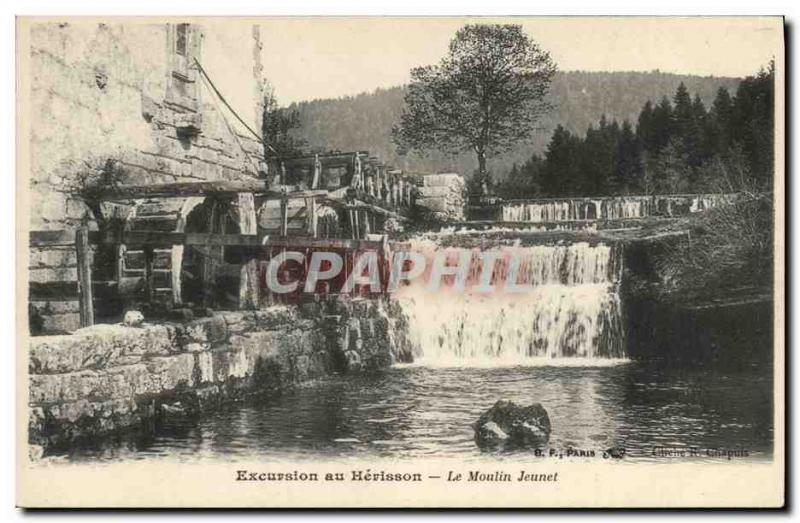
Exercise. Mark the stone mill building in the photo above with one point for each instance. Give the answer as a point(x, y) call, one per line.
point(129, 102)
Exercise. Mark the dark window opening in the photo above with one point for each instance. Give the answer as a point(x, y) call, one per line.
point(181, 38)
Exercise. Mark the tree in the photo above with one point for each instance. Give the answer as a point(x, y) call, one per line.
point(484, 96)
point(276, 126)
point(627, 175)
point(701, 130)
point(682, 113)
point(663, 126)
point(596, 158)
point(561, 174)
point(689, 121)
point(645, 130)
point(720, 121)
point(671, 168)
point(655, 126)
point(523, 181)
point(752, 122)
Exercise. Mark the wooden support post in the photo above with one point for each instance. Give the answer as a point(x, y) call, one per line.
point(358, 181)
point(284, 214)
point(84, 257)
point(176, 266)
point(248, 285)
point(317, 172)
point(379, 182)
point(353, 226)
point(247, 213)
point(311, 217)
point(148, 272)
point(120, 249)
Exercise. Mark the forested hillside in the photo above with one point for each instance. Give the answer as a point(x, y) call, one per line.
point(579, 99)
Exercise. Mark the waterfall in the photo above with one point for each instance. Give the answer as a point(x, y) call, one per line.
point(571, 313)
point(705, 202)
point(625, 208)
point(614, 208)
point(558, 211)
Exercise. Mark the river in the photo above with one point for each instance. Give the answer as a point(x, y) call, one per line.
point(415, 411)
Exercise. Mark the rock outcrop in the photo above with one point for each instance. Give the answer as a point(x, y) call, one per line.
point(443, 196)
point(508, 425)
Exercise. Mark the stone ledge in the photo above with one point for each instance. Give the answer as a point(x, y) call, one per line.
point(109, 377)
point(98, 347)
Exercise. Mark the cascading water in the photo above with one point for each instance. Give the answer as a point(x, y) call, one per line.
point(706, 202)
point(619, 207)
point(625, 208)
point(570, 313)
point(539, 212)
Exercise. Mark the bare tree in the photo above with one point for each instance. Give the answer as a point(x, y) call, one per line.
point(484, 95)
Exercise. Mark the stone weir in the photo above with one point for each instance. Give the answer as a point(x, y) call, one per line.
point(106, 378)
point(602, 208)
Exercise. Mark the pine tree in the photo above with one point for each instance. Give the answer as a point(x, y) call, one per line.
point(561, 174)
point(628, 170)
point(682, 114)
point(663, 127)
point(644, 128)
point(532, 173)
point(697, 139)
point(720, 122)
point(752, 123)
point(671, 169)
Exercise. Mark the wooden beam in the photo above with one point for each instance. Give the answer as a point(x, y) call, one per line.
point(184, 189)
point(327, 160)
point(352, 222)
point(311, 217)
point(247, 213)
point(360, 206)
point(357, 230)
point(84, 256)
point(168, 239)
point(176, 270)
point(249, 285)
point(317, 172)
point(284, 216)
point(367, 228)
point(149, 282)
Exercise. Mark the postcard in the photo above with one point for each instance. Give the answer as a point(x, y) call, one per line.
point(401, 262)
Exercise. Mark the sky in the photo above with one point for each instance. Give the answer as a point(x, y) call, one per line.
point(310, 58)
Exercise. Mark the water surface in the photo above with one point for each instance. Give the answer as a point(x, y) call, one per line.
point(417, 411)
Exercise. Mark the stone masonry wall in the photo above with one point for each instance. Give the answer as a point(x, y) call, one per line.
point(443, 196)
point(106, 378)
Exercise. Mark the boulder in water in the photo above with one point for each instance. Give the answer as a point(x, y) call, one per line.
point(507, 424)
point(133, 319)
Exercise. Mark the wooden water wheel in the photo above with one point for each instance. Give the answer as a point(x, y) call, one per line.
point(179, 276)
point(147, 273)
